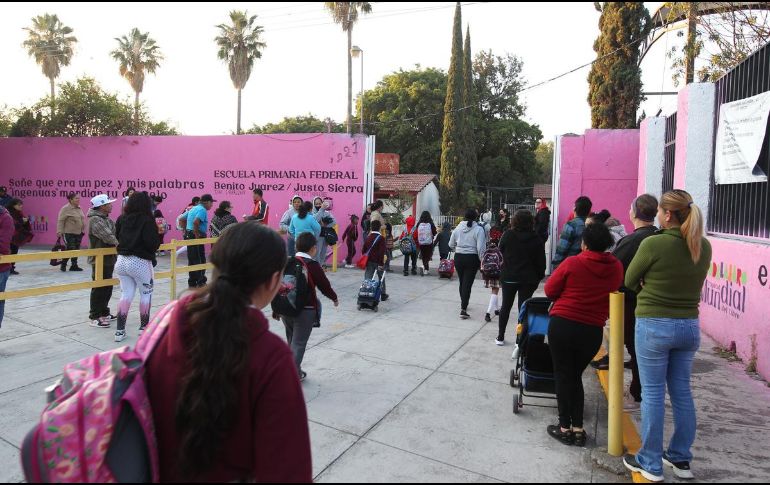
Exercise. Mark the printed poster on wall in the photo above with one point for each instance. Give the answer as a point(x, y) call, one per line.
point(740, 135)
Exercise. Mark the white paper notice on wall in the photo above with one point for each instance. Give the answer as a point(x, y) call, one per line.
point(741, 132)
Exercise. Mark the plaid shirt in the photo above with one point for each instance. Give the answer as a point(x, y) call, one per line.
point(101, 233)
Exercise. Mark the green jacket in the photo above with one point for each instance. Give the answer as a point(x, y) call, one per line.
point(669, 284)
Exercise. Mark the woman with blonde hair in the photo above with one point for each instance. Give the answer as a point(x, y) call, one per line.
point(668, 273)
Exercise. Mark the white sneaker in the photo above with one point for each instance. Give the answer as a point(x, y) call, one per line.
point(681, 470)
point(499, 343)
point(120, 335)
point(349, 266)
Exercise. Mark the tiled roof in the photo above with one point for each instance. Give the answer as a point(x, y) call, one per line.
point(542, 191)
point(404, 182)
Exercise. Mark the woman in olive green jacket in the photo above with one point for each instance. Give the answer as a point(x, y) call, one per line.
point(71, 227)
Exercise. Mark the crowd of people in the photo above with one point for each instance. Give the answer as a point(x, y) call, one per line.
point(220, 358)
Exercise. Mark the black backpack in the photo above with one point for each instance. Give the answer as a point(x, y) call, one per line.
point(293, 296)
point(330, 235)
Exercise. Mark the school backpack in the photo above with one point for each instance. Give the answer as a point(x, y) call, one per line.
point(330, 235)
point(492, 263)
point(425, 234)
point(407, 245)
point(98, 426)
point(162, 226)
point(293, 296)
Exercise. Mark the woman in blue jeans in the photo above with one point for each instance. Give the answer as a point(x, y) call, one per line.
point(668, 273)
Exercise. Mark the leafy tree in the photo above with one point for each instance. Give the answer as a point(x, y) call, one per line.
point(346, 14)
point(544, 157)
point(137, 54)
point(470, 104)
point(51, 44)
point(298, 124)
point(27, 124)
point(6, 122)
point(615, 80)
point(454, 135)
point(240, 45)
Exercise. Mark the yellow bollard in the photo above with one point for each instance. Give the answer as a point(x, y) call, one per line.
point(335, 248)
point(173, 269)
point(615, 394)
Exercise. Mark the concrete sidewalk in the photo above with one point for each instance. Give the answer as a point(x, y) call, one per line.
point(411, 393)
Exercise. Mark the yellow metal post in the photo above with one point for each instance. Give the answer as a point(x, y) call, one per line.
point(173, 269)
point(99, 268)
point(615, 395)
point(335, 250)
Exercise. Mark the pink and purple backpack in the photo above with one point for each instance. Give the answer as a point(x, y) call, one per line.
point(98, 425)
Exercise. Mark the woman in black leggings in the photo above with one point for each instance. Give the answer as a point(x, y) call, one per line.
point(523, 267)
point(469, 242)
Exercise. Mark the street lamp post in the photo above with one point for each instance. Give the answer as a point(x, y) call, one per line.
point(355, 51)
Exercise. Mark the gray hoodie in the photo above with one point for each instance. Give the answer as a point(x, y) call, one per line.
point(468, 240)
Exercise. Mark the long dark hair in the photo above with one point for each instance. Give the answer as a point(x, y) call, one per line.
point(470, 216)
point(222, 210)
point(245, 258)
point(306, 209)
point(11, 206)
point(138, 203)
point(426, 218)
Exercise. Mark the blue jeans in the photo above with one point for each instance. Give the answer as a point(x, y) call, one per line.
point(665, 349)
point(3, 280)
point(291, 246)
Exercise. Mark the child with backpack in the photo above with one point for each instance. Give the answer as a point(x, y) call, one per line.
point(376, 247)
point(426, 232)
point(442, 240)
point(408, 245)
point(304, 275)
point(491, 268)
point(350, 237)
point(390, 243)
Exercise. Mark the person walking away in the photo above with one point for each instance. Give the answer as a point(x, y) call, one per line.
point(523, 266)
point(304, 222)
point(299, 328)
point(223, 218)
point(138, 242)
point(410, 232)
point(5, 199)
point(325, 220)
point(468, 241)
point(668, 273)
point(101, 234)
point(197, 228)
point(442, 240)
point(571, 235)
point(377, 249)
point(296, 203)
point(426, 233)
point(350, 237)
point(491, 270)
point(580, 289)
point(261, 209)
point(642, 214)
point(390, 244)
point(127, 194)
point(160, 221)
point(71, 226)
point(542, 220)
point(22, 234)
point(6, 234)
point(226, 400)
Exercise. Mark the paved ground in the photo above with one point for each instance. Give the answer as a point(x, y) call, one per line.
point(411, 393)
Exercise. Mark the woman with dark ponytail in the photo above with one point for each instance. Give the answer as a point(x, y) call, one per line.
point(224, 390)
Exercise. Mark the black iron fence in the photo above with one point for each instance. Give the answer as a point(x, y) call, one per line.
point(742, 209)
point(669, 154)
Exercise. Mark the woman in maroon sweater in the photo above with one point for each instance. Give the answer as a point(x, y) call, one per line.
point(580, 288)
point(226, 400)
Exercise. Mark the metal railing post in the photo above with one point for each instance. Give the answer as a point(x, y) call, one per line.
point(615, 393)
point(173, 269)
point(99, 267)
point(335, 249)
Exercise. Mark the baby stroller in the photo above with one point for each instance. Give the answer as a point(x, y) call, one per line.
point(533, 372)
point(370, 293)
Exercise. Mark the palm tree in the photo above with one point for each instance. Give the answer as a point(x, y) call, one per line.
point(239, 45)
point(50, 43)
point(346, 14)
point(137, 54)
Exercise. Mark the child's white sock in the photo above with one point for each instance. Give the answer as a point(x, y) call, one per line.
point(492, 304)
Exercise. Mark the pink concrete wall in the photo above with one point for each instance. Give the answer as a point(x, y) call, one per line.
point(734, 304)
point(603, 165)
point(680, 163)
point(42, 170)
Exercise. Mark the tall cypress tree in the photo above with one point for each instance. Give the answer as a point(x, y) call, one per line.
point(470, 160)
point(453, 141)
point(615, 80)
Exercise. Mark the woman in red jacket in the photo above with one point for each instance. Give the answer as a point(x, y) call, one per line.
point(22, 229)
point(224, 390)
point(580, 288)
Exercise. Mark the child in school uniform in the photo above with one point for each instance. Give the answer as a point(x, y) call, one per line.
point(390, 243)
point(492, 260)
point(350, 237)
point(376, 247)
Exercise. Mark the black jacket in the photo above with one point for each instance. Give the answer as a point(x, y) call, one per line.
point(442, 241)
point(137, 236)
point(629, 245)
point(543, 223)
point(523, 257)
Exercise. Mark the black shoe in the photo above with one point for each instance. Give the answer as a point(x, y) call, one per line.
point(487, 318)
point(406, 273)
point(464, 315)
point(630, 462)
point(497, 313)
point(63, 268)
point(14, 272)
point(627, 365)
point(601, 364)
point(580, 438)
point(76, 268)
point(385, 297)
point(414, 271)
point(566, 438)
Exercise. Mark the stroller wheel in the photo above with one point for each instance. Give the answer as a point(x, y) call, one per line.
point(513, 378)
point(359, 307)
point(516, 403)
point(374, 308)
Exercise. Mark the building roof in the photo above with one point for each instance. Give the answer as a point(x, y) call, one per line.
point(542, 191)
point(412, 183)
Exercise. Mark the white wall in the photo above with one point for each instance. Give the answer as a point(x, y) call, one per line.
point(429, 200)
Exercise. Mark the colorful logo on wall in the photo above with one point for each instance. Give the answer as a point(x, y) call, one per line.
point(729, 272)
point(39, 223)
